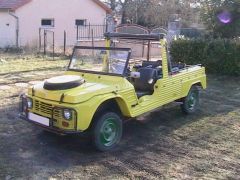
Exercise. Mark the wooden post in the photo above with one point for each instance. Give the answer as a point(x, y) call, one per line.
point(44, 42)
point(77, 32)
point(92, 43)
point(106, 28)
point(89, 31)
point(92, 38)
point(40, 39)
point(53, 45)
point(148, 52)
point(64, 43)
point(143, 49)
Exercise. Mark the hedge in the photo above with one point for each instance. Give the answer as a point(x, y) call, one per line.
point(219, 56)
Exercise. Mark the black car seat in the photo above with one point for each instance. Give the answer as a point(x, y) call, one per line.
point(152, 64)
point(145, 84)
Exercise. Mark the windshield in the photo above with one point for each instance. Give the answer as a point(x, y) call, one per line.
point(100, 60)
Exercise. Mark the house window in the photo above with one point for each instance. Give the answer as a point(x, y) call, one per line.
point(47, 22)
point(81, 22)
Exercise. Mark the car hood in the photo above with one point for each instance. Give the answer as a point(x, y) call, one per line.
point(75, 95)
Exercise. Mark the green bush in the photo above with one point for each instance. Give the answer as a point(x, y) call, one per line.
point(219, 56)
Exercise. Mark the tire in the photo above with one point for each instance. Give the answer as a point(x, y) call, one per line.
point(191, 102)
point(107, 131)
point(63, 82)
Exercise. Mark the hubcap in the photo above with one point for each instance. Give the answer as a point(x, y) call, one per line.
point(192, 101)
point(109, 132)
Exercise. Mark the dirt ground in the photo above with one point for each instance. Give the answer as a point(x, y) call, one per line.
point(169, 145)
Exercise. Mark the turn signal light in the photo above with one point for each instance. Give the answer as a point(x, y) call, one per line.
point(65, 124)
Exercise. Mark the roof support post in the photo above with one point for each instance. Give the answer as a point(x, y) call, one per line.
point(164, 58)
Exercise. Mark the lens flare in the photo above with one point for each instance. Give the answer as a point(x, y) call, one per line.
point(225, 17)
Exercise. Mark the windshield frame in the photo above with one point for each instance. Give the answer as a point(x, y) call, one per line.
point(124, 74)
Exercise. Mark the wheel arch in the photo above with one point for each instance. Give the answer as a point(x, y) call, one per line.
point(112, 104)
point(115, 104)
point(198, 84)
point(188, 86)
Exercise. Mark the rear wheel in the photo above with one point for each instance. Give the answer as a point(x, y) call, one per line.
point(107, 131)
point(191, 102)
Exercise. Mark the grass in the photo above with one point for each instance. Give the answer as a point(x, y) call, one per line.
point(26, 68)
point(30, 64)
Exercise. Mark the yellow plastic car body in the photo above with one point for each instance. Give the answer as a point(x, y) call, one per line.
point(84, 102)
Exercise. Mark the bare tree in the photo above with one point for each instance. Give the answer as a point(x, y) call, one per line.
point(112, 4)
point(156, 12)
point(119, 6)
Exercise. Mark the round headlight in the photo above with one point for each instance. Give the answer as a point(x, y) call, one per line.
point(29, 103)
point(67, 114)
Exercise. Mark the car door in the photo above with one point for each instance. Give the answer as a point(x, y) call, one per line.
point(168, 89)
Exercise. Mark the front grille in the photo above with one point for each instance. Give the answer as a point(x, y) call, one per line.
point(43, 108)
point(57, 114)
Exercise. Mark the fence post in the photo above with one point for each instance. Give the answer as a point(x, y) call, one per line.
point(89, 31)
point(148, 53)
point(53, 45)
point(44, 42)
point(92, 43)
point(143, 49)
point(92, 39)
point(106, 26)
point(40, 38)
point(64, 44)
point(77, 32)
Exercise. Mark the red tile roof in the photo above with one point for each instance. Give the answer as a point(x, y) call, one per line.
point(12, 4)
point(15, 4)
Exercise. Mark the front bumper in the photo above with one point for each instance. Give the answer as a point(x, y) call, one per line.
point(51, 128)
point(53, 125)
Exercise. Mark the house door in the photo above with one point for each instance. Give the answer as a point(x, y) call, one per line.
point(7, 30)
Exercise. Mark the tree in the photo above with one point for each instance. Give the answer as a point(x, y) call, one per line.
point(119, 6)
point(153, 13)
point(112, 4)
point(222, 17)
point(157, 12)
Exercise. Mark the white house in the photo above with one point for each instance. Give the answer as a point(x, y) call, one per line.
point(20, 20)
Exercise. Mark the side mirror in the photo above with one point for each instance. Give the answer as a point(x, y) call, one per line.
point(135, 75)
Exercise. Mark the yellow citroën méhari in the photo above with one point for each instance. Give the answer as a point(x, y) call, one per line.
point(103, 87)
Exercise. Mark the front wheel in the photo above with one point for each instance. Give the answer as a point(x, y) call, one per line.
point(191, 102)
point(107, 131)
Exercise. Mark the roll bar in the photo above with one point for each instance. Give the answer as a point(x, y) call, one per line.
point(148, 37)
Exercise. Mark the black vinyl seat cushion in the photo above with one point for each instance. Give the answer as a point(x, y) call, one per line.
point(145, 84)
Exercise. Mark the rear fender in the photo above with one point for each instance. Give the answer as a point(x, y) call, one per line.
point(186, 87)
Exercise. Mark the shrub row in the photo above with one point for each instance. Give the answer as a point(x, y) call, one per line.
point(219, 56)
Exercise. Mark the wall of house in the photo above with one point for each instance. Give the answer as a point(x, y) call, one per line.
point(64, 14)
point(7, 30)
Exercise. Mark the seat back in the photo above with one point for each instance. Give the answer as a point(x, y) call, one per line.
point(148, 77)
point(151, 64)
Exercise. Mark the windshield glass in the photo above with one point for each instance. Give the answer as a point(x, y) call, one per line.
point(100, 60)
